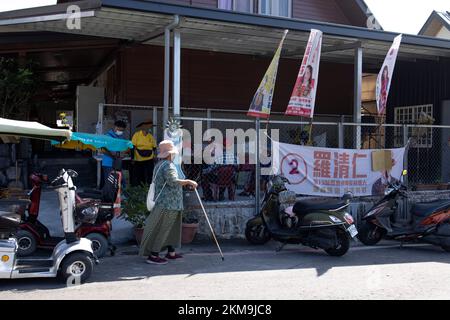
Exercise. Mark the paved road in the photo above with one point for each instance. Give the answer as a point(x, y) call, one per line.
point(383, 272)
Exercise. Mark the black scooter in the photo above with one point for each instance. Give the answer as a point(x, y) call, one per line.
point(430, 221)
point(323, 224)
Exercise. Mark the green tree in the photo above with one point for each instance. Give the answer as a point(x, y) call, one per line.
point(18, 84)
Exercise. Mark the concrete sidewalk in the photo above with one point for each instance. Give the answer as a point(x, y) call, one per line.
point(257, 272)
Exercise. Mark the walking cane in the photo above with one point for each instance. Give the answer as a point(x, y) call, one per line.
point(209, 223)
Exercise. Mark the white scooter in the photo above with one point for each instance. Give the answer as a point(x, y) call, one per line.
point(72, 259)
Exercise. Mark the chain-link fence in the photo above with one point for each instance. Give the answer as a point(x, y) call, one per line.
point(232, 175)
point(427, 158)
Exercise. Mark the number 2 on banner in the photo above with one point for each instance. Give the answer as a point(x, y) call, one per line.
point(294, 164)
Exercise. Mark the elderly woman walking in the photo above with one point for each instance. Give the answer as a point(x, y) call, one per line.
point(163, 225)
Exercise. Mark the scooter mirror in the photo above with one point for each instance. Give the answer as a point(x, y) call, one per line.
point(72, 173)
point(347, 196)
point(284, 179)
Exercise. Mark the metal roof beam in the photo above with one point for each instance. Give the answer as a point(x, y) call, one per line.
point(342, 47)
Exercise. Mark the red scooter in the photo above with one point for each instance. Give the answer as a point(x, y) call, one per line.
point(430, 220)
point(93, 217)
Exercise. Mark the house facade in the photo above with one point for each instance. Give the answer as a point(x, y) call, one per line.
point(135, 76)
point(225, 48)
point(346, 12)
point(437, 25)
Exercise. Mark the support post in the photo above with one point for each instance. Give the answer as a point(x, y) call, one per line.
point(167, 30)
point(257, 169)
point(405, 158)
point(406, 213)
point(357, 89)
point(341, 135)
point(166, 75)
point(99, 128)
point(155, 121)
point(176, 72)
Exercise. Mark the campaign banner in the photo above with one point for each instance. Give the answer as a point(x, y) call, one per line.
point(262, 100)
point(303, 96)
point(333, 172)
point(385, 75)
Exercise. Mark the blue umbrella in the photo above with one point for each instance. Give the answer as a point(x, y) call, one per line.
point(100, 141)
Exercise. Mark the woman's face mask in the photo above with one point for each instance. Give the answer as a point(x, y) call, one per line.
point(119, 133)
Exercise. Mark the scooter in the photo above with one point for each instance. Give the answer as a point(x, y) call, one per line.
point(430, 220)
point(33, 234)
point(72, 258)
point(323, 224)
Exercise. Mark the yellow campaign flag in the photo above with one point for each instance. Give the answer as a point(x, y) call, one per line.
point(262, 100)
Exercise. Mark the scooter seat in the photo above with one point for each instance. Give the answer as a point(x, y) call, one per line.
point(9, 221)
point(306, 206)
point(91, 194)
point(425, 209)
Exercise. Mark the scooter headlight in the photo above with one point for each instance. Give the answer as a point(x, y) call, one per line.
point(335, 219)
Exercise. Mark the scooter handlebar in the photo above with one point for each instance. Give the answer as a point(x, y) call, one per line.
point(57, 182)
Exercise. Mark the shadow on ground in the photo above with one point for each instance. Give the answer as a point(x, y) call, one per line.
point(203, 258)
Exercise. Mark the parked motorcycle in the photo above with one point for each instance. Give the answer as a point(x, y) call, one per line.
point(430, 220)
point(323, 224)
point(72, 258)
point(93, 216)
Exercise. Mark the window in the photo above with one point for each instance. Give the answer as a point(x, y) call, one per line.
point(236, 5)
point(280, 8)
point(423, 137)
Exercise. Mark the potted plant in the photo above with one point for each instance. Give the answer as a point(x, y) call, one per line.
point(189, 227)
point(135, 210)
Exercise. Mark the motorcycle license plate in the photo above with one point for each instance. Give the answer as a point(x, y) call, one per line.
point(352, 230)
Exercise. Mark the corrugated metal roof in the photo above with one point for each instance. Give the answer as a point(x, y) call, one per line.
point(217, 30)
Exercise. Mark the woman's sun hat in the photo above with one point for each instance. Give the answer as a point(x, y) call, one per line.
point(145, 124)
point(166, 148)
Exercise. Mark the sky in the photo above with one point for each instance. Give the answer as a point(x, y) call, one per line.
point(403, 16)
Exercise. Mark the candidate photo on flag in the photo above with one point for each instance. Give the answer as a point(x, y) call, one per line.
point(385, 75)
point(262, 100)
point(303, 95)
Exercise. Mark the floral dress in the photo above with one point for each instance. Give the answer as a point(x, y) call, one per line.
point(163, 225)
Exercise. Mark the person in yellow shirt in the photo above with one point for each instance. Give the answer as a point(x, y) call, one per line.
point(143, 154)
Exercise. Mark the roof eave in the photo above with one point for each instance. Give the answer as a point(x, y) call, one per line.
point(273, 22)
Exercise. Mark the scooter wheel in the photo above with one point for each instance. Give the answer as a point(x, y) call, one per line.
point(76, 267)
point(99, 244)
point(26, 243)
point(257, 234)
point(370, 234)
point(342, 246)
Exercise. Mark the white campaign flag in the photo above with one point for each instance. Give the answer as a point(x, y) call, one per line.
point(303, 95)
point(385, 75)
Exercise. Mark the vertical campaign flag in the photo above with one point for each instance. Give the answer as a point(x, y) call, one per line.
point(262, 100)
point(385, 75)
point(304, 94)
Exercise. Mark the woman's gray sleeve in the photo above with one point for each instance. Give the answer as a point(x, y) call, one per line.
point(171, 175)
